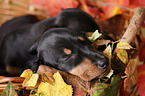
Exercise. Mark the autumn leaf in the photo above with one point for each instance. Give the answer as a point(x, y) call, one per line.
point(30, 78)
point(27, 73)
point(94, 36)
point(123, 45)
point(102, 42)
point(123, 56)
point(141, 79)
point(131, 67)
point(32, 81)
point(102, 89)
point(58, 88)
point(54, 7)
point(142, 51)
point(9, 90)
point(137, 3)
point(48, 77)
point(111, 9)
point(108, 53)
point(131, 72)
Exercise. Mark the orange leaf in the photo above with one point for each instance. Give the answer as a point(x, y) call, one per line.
point(112, 9)
point(131, 67)
point(131, 71)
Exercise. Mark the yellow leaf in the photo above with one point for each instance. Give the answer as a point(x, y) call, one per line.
point(123, 56)
point(59, 87)
point(30, 78)
point(123, 45)
point(108, 53)
point(27, 73)
point(32, 81)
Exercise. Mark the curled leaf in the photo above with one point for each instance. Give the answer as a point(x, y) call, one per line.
point(102, 42)
point(123, 55)
point(108, 53)
point(131, 71)
point(131, 67)
point(94, 36)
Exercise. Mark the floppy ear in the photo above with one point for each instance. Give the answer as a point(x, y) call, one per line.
point(44, 25)
point(33, 49)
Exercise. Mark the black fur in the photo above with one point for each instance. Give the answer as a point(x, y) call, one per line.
point(26, 42)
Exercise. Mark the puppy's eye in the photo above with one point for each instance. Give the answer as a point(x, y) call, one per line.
point(67, 51)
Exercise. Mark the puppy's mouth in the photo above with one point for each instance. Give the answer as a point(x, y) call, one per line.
point(88, 71)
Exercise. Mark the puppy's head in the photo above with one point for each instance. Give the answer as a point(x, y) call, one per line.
point(65, 50)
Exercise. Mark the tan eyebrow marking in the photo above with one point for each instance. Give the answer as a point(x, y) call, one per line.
point(81, 38)
point(67, 51)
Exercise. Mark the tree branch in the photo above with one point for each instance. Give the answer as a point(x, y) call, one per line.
point(134, 25)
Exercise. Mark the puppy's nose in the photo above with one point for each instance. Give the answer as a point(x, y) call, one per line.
point(103, 63)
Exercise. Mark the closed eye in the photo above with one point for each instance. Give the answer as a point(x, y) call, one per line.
point(63, 60)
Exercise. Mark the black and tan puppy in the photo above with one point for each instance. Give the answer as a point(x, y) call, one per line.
point(59, 42)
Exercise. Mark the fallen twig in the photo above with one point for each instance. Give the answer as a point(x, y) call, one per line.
point(134, 25)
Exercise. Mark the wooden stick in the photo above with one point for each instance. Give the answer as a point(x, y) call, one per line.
point(134, 25)
point(14, 84)
point(14, 79)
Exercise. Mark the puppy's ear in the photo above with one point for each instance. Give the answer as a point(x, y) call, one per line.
point(33, 49)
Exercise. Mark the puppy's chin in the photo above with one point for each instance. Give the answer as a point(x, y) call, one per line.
point(88, 71)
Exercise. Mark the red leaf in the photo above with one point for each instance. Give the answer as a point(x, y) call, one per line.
point(54, 7)
point(142, 52)
point(137, 3)
point(141, 79)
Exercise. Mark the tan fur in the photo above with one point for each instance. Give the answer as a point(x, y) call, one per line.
point(12, 70)
point(88, 71)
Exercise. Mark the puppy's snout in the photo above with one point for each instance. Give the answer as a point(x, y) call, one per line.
point(103, 63)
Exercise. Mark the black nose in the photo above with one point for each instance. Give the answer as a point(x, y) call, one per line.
point(103, 63)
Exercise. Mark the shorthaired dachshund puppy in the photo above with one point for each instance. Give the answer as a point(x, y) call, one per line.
point(59, 42)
